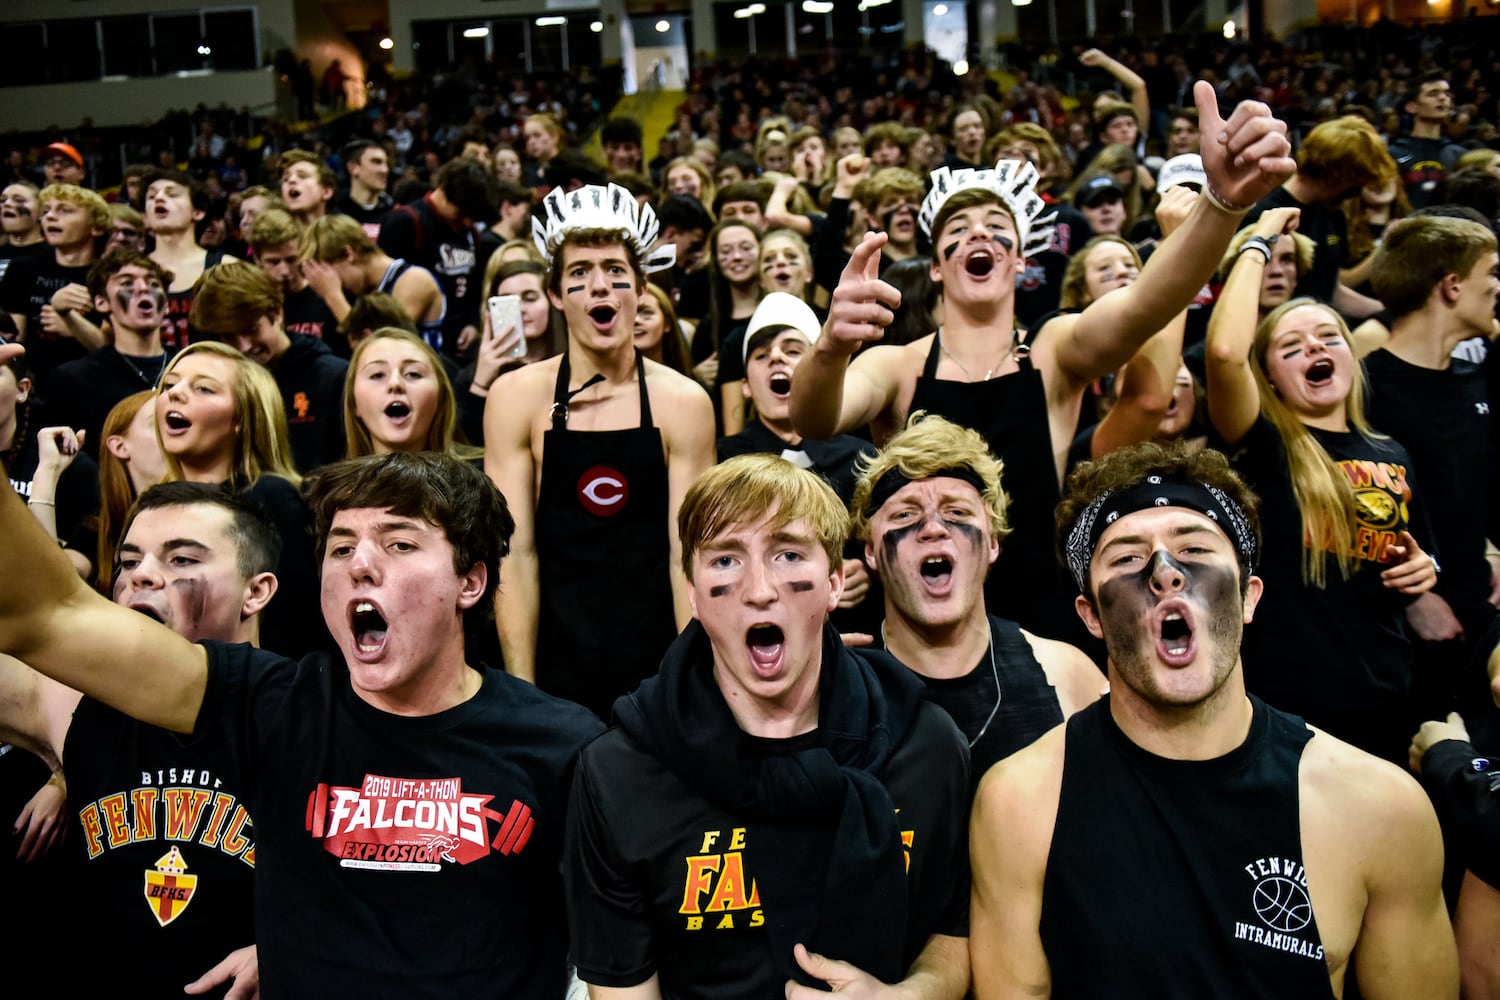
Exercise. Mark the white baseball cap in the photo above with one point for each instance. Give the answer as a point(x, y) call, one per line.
point(1184, 169)
point(781, 309)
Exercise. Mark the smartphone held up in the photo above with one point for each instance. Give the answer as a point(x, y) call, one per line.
point(505, 312)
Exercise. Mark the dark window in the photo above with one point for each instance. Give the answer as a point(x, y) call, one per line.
point(72, 50)
point(178, 38)
point(25, 59)
point(230, 34)
point(127, 46)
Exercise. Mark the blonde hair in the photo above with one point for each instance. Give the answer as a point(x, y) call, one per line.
point(927, 446)
point(327, 239)
point(272, 228)
point(1075, 283)
point(442, 434)
point(93, 204)
point(1324, 495)
point(708, 190)
point(748, 488)
point(261, 444)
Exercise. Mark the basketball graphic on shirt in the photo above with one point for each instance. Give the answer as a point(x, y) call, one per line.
point(1282, 904)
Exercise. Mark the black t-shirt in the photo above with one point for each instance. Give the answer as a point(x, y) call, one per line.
point(1329, 232)
point(1444, 418)
point(84, 391)
point(1333, 652)
point(311, 379)
point(30, 283)
point(32, 251)
point(662, 881)
point(164, 850)
point(368, 218)
point(1424, 165)
point(304, 312)
point(397, 856)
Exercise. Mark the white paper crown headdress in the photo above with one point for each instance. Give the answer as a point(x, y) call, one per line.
point(1012, 181)
point(601, 207)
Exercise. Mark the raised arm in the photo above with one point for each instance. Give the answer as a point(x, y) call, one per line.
point(1244, 158)
point(1147, 382)
point(52, 621)
point(1128, 78)
point(828, 395)
point(1233, 397)
point(509, 463)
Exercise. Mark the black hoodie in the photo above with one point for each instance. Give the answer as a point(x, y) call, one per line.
point(311, 378)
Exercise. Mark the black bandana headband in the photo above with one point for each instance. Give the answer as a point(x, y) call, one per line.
point(894, 480)
point(1156, 491)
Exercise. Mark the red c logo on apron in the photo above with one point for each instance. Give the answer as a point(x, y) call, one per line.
point(603, 491)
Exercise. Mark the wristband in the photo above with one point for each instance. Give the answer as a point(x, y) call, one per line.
point(1260, 245)
point(43, 503)
point(1218, 202)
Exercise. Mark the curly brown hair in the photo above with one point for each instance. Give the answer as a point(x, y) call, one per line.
point(1124, 468)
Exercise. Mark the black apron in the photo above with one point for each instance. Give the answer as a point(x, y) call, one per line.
point(1026, 583)
point(605, 617)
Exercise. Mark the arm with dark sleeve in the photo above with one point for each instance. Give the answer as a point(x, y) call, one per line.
point(609, 928)
point(1463, 789)
point(829, 256)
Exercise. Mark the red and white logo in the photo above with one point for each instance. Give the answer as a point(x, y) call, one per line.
point(603, 491)
point(413, 824)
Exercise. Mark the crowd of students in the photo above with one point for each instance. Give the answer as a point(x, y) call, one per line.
point(942, 305)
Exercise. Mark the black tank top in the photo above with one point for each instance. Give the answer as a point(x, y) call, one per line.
point(175, 331)
point(1024, 705)
point(1190, 870)
point(1026, 583)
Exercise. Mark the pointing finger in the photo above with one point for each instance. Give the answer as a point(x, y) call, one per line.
point(865, 261)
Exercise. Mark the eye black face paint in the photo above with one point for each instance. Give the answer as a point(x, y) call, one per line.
point(195, 602)
point(622, 284)
point(573, 289)
point(800, 586)
point(1005, 241)
point(718, 590)
point(950, 250)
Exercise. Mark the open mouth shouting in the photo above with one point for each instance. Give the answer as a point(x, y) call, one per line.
point(1320, 372)
point(937, 574)
point(1175, 642)
point(396, 411)
point(980, 262)
point(368, 627)
point(767, 644)
point(781, 277)
point(175, 422)
point(603, 317)
point(780, 384)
